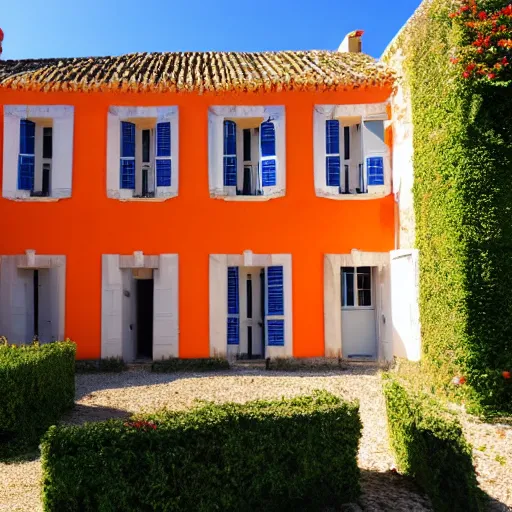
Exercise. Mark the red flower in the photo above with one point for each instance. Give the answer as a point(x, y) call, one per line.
point(453, 60)
point(491, 76)
point(482, 15)
point(480, 50)
point(471, 66)
point(466, 74)
point(464, 8)
point(506, 375)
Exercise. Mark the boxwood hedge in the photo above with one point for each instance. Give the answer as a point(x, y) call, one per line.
point(463, 191)
point(37, 385)
point(295, 454)
point(429, 446)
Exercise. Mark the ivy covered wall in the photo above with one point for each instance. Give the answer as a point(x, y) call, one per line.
point(455, 60)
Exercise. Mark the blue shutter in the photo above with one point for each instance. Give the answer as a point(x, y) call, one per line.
point(332, 150)
point(26, 157)
point(275, 333)
point(127, 140)
point(275, 306)
point(230, 161)
point(375, 170)
point(268, 154)
point(233, 307)
point(127, 164)
point(163, 154)
point(275, 293)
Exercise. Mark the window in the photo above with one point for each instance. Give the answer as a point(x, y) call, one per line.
point(137, 165)
point(258, 164)
point(38, 152)
point(143, 163)
point(356, 287)
point(351, 156)
point(246, 152)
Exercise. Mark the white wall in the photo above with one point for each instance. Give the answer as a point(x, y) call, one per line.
point(403, 170)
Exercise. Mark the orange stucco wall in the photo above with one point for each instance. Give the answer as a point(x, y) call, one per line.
point(193, 225)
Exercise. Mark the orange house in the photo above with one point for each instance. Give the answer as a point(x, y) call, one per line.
point(198, 204)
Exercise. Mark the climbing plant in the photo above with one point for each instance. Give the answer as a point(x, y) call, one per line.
point(456, 70)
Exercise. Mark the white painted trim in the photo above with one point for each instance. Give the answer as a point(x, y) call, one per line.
point(165, 310)
point(218, 293)
point(62, 159)
point(114, 333)
point(216, 117)
point(333, 339)
point(160, 114)
point(14, 299)
point(218, 310)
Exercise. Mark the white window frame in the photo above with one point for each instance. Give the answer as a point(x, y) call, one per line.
point(160, 114)
point(216, 117)
point(356, 305)
point(61, 119)
point(366, 112)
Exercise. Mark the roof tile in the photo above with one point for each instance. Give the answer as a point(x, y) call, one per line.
point(199, 72)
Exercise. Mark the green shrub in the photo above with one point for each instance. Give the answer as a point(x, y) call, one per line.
point(37, 385)
point(429, 446)
point(291, 364)
point(175, 364)
point(295, 454)
point(110, 364)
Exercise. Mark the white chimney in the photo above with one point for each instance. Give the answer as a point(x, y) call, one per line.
point(352, 42)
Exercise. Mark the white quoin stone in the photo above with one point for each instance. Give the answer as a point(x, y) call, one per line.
point(356, 257)
point(31, 257)
point(247, 258)
point(352, 42)
point(138, 258)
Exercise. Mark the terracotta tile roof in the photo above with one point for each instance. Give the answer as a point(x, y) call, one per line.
point(198, 72)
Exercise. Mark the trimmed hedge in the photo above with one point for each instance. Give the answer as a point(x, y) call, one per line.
point(430, 447)
point(176, 364)
point(295, 454)
point(462, 201)
point(108, 365)
point(37, 384)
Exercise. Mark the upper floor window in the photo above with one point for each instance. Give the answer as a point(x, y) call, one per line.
point(247, 152)
point(351, 155)
point(38, 152)
point(142, 152)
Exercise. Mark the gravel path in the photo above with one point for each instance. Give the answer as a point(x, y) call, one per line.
point(101, 396)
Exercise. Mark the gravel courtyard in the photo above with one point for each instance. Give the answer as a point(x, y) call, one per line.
point(101, 396)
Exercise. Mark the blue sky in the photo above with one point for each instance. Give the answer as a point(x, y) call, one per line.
point(72, 28)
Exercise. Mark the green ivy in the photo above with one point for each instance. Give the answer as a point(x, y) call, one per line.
point(463, 208)
point(283, 455)
point(37, 384)
point(429, 446)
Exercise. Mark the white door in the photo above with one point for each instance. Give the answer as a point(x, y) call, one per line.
point(251, 314)
point(358, 325)
point(404, 303)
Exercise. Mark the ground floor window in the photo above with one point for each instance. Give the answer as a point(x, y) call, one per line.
point(356, 287)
